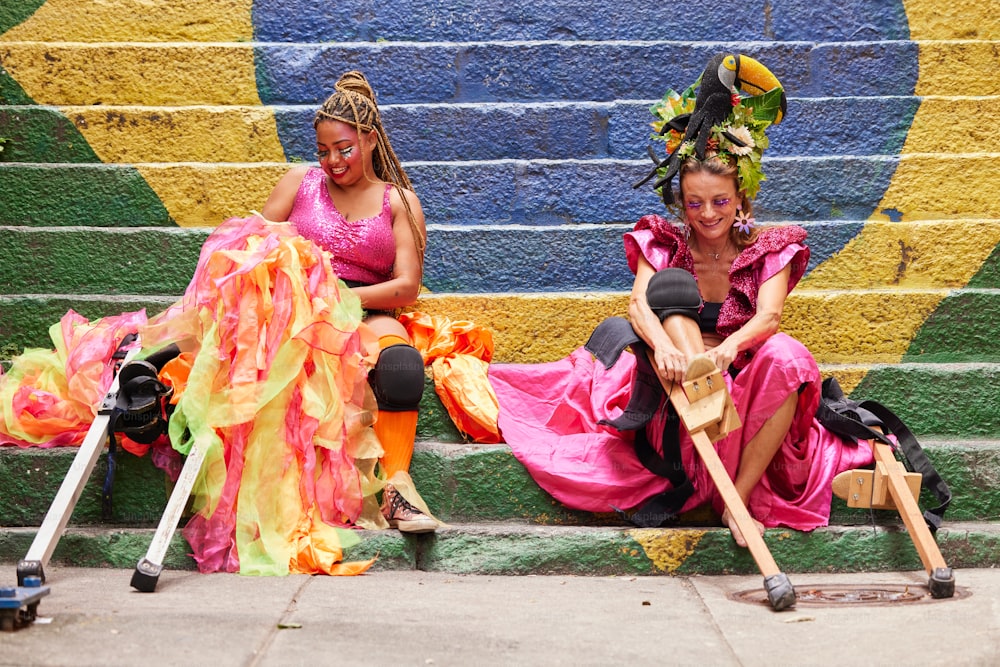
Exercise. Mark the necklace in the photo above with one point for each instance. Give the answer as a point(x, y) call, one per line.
point(715, 256)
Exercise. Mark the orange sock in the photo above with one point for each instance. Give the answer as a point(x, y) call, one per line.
point(395, 430)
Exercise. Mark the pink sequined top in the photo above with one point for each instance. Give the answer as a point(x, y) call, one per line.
point(364, 250)
point(663, 245)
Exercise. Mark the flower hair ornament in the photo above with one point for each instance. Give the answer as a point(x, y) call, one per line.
point(744, 222)
point(718, 121)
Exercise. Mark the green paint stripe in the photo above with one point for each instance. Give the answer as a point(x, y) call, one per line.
point(988, 275)
point(961, 329)
point(520, 550)
point(39, 134)
point(15, 12)
point(958, 400)
point(104, 262)
point(11, 91)
point(101, 196)
point(25, 321)
point(461, 484)
point(123, 548)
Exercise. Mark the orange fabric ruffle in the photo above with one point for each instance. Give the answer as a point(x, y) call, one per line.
point(459, 354)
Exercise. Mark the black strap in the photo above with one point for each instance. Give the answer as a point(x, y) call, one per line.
point(663, 508)
point(109, 476)
point(606, 343)
point(917, 460)
point(107, 506)
point(139, 409)
point(855, 421)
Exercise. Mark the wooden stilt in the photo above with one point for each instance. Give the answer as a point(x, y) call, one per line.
point(890, 486)
point(702, 403)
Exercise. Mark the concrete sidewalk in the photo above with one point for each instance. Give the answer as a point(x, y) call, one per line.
point(93, 617)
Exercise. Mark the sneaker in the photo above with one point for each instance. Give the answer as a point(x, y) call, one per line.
point(402, 515)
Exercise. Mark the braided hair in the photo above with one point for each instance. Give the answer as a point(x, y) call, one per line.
point(353, 102)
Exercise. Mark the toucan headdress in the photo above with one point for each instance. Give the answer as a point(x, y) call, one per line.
point(718, 121)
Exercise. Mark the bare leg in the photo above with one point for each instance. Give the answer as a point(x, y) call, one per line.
point(684, 334)
point(757, 456)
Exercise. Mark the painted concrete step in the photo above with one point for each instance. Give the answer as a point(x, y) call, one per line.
point(523, 549)
point(405, 20)
point(180, 73)
point(845, 256)
point(535, 192)
point(462, 131)
point(460, 482)
point(426, 20)
point(864, 327)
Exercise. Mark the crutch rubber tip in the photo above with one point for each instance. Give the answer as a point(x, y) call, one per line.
point(29, 568)
point(145, 576)
point(780, 592)
point(942, 583)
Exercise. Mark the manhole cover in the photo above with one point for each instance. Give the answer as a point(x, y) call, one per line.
point(825, 595)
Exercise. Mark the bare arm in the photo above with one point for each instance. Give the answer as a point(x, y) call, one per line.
point(669, 361)
point(279, 203)
point(404, 286)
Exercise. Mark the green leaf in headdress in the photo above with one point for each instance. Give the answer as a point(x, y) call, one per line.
point(766, 106)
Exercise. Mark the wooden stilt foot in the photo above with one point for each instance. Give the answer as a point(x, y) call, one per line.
point(866, 488)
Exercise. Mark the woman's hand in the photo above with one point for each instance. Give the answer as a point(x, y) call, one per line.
point(723, 354)
point(670, 363)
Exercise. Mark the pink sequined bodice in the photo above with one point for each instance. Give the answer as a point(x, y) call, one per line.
point(363, 250)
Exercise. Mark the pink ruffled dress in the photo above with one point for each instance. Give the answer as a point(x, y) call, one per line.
point(549, 413)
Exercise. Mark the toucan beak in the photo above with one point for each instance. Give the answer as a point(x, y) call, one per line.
point(755, 79)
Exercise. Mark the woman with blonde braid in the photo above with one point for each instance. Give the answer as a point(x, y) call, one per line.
point(360, 207)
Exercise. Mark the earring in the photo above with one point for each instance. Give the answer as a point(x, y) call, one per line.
point(743, 221)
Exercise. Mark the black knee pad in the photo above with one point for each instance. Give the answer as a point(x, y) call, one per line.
point(674, 292)
point(398, 378)
point(142, 407)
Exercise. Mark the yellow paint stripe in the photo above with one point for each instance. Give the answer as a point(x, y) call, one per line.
point(917, 255)
point(179, 134)
point(932, 19)
point(940, 187)
point(856, 328)
point(137, 21)
point(954, 125)
point(133, 74)
point(958, 69)
point(206, 195)
point(667, 549)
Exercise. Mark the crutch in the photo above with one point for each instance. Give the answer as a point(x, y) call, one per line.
point(147, 571)
point(18, 605)
point(704, 406)
point(58, 515)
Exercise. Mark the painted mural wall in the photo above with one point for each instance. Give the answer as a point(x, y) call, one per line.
point(130, 129)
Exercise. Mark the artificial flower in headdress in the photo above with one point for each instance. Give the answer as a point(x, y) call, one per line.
point(719, 120)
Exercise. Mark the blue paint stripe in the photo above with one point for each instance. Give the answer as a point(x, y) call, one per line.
point(590, 258)
point(466, 260)
point(469, 20)
point(566, 192)
point(812, 127)
point(538, 72)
